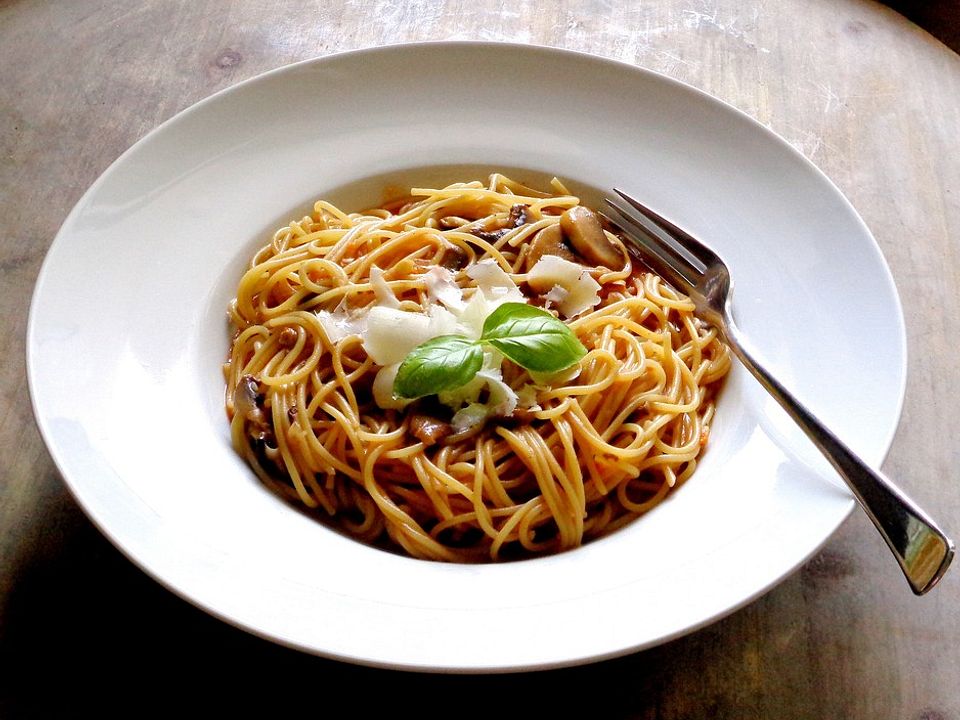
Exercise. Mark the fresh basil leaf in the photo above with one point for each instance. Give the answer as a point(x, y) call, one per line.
point(532, 338)
point(443, 363)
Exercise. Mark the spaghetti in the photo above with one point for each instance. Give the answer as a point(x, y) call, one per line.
point(517, 463)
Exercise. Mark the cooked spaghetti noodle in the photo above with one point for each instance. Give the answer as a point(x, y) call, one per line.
point(565, 458)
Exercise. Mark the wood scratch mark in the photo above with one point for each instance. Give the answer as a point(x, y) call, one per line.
point(832, 100)
point(647, 32)
point(807, 142)
point(677, 60)
point(708, 16)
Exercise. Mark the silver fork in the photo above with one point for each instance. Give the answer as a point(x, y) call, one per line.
point(922, 549)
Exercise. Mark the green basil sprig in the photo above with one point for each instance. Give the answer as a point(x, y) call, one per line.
point(443, 363)
point(532, 338)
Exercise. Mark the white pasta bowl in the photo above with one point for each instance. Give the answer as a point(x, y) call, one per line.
point(128, 332)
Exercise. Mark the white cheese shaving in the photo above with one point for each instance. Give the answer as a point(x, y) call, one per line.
point(472, 415)
point(381, 290)
point(501, 398)
point(442, 322)
point(442, 288)
point(470, 319)
point(494, 283)
point(392, 334)
point(552, 271)
point(338, 324)
point(527, 396)
point(556, 295)
point(470, 392)
point(501, 401)
point(488, 274)
point(383, 389)
point(495, 288)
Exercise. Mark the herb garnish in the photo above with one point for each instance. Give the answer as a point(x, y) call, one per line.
point(527, 335)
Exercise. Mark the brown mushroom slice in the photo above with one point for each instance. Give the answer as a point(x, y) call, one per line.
point(519, 215)
point(454, 258)
point(582, 228)
point(245, 402)
point(548, 241)
point(429, 430)
point(492, 232)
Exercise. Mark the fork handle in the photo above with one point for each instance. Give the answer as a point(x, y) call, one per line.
point(920, 546)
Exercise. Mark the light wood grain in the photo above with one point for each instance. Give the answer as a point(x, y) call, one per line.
point(869, 97)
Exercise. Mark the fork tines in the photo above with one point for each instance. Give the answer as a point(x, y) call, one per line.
point(669, 250)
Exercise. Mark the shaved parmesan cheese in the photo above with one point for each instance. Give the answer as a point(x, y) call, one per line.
point(488, 274)
point(494, 283)
point(501, 399)
point(495, 288)
point(338, 324)
point(392, 334)
point(471, 318)
point(472, 415)
point(556, 295)
point(442, 288)
point(582, 292)
point(381, 290)
point(442, 322)
point(471, 391)
point(527, 396)
point(383, 389)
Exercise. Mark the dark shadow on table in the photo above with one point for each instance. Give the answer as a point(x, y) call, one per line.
point(940, 18)
point(88, 634)
point(85, 633)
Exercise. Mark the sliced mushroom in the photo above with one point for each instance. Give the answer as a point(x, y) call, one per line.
point(582, 228)
point(489, 236)
point(429, 430)
point(548, 241)
point(245, 402)
point(518, 216)
point(454, 258)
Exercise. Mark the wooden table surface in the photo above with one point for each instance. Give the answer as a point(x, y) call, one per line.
point(870, 98)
